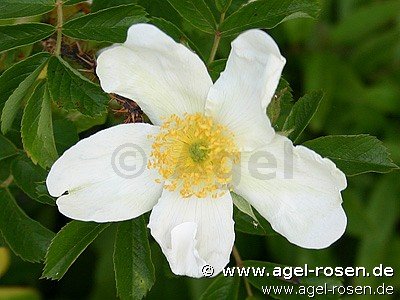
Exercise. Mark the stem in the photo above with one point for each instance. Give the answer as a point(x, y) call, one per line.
point(239, 263)
point(7, 182)
point(217, 38)
point(59, 4)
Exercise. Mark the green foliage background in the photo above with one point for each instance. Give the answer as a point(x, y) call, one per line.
point(351, 52)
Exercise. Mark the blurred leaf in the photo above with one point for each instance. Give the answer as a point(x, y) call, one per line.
point(65, 134)
point(354, 154)
point(197, 13)
point(13, 103)
point(68, 244)
point(71, 91)
point(301, 114)
point(267, 14)
point(298, 31)
point(322, 71)
point(243, 205)
point(365, 20)
point(375, 53)
point(393, 261)
point(383, 97)
point(18, 293)
point(27, 175)
point(13, 76)
point(5, 168)
point(222, 288)
point(11, 9)
point(37, 128)
point(26, 237)
point(7, 149)
point(358, 224)
point(2, 241)
point(12, 36)
point(262, 281)
point(382, 212)
point(107, 25)
point(134, 270)
point(102, 4)
point(4, 260)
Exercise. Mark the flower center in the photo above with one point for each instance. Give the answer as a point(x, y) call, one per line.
point(198, 151)
point(195, 155)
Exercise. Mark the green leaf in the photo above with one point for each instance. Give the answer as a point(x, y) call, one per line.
point(294, 284)
point(65, 134)
point(11, 9)
point(301, 114)
point(37, 128)
point(27, 176)
point(26, 237)
point(82, 122)
point(13, 103)
point(267, 14)
point(107, 25)
point(68, 244)
point(281, 104)
point(13, 36)
point(16, 74)
point(7, 149)
point(71, 91)
point(247, 224)
point(223, 5)
point(354, 154)
point(102, 4)
point(163, 9)
point(222, 288)
point(248, 220)
point(197, 13)
point(243, 205)
point(216, 67)
point(173, 31)
point(134, 270)
point(72, 2)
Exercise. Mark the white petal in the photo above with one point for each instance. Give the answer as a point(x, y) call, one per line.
point(296, 190)
point(162, 76)
point(194, 232)
point(105, 175)
point(240, 96)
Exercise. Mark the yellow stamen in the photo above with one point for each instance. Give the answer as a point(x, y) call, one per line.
point(195, 155)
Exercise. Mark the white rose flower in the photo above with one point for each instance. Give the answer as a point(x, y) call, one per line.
point(201, 146)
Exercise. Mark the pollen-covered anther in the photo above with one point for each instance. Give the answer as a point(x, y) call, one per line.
point(195, 155)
